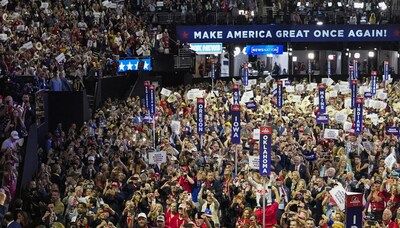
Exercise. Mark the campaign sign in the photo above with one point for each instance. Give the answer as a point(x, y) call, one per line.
point(354, 209)
point(279, 94)
point(322, 100)
point(245, 75)
point(358, 119)
point(286, 33)
point(355, 68)
point(146, 94)
point(353, 92)
point(265, 150)
point(386, 70)
point(368, 95)
point(235, 135)
point(322, 119)
point(393, 131)
point(236, 94)
point(152, 100)
point(373, 82)
point(251, 105)
point(200, 116)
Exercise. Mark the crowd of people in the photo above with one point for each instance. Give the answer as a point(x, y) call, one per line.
point(102, 174)
point(69, 40)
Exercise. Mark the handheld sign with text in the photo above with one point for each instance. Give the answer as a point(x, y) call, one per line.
point(393, 131)
point(279, 94)
point(367, 95)
point(236, 94)
point(322, 100)
point(265, 150)
point(152, 100)
point(200, 116)
point(386, 70)
point(146, 94)
point(354, 209)
point(235, 135)
point(322, 119)
point(373, 82)
point(358, 118)
point(245, 75)
point(355, 68)
point(353, 92)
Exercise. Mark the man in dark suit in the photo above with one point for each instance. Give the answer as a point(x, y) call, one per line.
point(299, 166)
point(10, 222)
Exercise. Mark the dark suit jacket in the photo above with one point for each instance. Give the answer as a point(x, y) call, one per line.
point(303, 171)
point(14, 224)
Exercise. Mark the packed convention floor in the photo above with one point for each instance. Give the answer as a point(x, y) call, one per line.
point(103, 174)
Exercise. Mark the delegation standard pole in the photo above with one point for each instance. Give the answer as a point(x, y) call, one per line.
point(236, 162)
point(154, 132)
point(263, 206)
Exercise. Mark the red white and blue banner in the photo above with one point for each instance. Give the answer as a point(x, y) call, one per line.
point(265, 150)
point(358, 118)
point(353, 88)
point(373, 82)
point(146, 94)
point(236, 94)
point(386, 70)
point(201, 125)
point(235, 134)
point(279, 94)
point(354, 209)
point(322, 100)
point(286, 33)
point(152, 100)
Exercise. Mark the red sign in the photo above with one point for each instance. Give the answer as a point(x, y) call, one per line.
point(321, 86)
point(354, 200)
point(266, 130)
point(235, 86)
point(235, 107)
point(354, 81)
point(200, 100)
point(374, 73)
point(360, 100)
point(279, 82)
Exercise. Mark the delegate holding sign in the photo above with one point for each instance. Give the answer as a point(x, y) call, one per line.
point(288, 33)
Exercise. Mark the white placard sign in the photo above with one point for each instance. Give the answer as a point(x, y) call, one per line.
point(166, 92)
point(256, 134)
point(331, 134)
point(60, 58)
point(340, 117)
point(176, 126)
point(157, 158)
point(390, 160)
point(254, 162)
point(290, 89)
point(338, 194)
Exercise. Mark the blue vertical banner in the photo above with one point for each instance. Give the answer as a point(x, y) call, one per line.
point(235, 134)
point(386, 70)
point(373, 82)
point(146, 94)
point(265, 150)
point(279, 94)
point(329, 69)
point(353, 87)
point(355, 68)
point(354, 209)
point(245, 75)
point(236, 94)
point(351, 72)
point(152, 100)
point(322, 100)
point(201, 125)
point(358, 118)
point(212, 71)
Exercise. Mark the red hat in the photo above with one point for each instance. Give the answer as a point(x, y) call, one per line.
point(280, 178)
